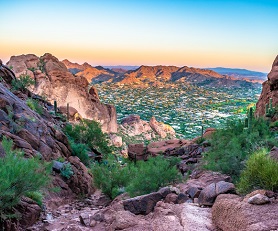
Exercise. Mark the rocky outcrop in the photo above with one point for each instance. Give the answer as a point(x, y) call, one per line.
point(132, 125)
point(55, 82)
point(230, 213)
point(29, 131)
point(38, 135)
point(270, 90)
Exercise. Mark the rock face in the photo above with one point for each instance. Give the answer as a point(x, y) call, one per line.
point(230, 213)
point(38, 135)
point(132, 125)
point(270, 90)
point(55, 82)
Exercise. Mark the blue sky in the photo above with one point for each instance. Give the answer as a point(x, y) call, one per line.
point(196, 33)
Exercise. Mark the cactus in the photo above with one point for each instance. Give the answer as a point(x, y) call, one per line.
point(250, 119)
point(246, 123)
point(68, 111)
point(55, 107)
point(269, 110)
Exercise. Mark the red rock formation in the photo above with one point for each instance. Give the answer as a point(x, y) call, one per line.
point(230, 212)
point(54, 81)
point(270, 90)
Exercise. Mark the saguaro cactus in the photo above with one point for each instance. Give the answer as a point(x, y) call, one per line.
point(55, 107)
point(250, 119)
point(68, 112)
point(269, 109)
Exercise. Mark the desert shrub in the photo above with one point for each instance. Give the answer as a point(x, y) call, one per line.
point(149, 176)
point(110, 176)
point(34, 105)
point(81, 151)
point(67, 171)
point(232, 145)
point(19, 177)
point(36, 196)
point(89, 133)
point(261, 172)
point(22, 83)
point(114, 178)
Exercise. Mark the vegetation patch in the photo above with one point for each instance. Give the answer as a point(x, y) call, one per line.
point(22, 83)
point(34, 105)
point(261, 172)
point(139, 178)
point(232, 145)
point(19, 177)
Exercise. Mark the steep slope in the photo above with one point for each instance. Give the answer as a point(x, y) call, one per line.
point(55, 82)
point(41, 136)
point(270, 90)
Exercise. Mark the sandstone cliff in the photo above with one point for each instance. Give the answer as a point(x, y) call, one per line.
point(270, 90)
point(55, 82)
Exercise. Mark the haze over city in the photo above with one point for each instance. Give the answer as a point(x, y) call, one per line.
point(237, 34)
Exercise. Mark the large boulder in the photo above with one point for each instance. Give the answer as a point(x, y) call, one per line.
point(55, 82)
point(142, 204)
point(210, 192)
point(230, 213)
point(270, 90)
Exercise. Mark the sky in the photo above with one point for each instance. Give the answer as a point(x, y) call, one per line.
point(198, 33)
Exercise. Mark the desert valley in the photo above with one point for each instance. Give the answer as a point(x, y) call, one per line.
point(138, 115)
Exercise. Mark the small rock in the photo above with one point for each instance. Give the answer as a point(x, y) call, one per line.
point(258, 199)
point(85, 219)
point(171, 198)
point(93, 223)
point(164, 191)
point(182, 198)
point(193, 192)
point(175, 190)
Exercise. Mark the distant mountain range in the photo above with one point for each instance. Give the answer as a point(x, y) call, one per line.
point(159, 75)
point(240, 73)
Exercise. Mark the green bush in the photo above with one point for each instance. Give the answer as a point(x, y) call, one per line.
point(19, 177)
point(149, 176)
point(67, 171)
point(34, 105)
point(110, 176)
point(81, 151)
point(36, 196)
point(89, 133)
point(231, 146)
point(261, 172)
point(144, 177)
point(22, 83)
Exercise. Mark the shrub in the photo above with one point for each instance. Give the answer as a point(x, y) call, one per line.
point(231, 146)
point(261, 172)
point(81, 151)
point(34, 105)
point(144, 177)
point(67, 171)
point(22, 83)
point(89, 133)
point(110, 177)
point(149, 176)
point(36, 196)
point(19, 177)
